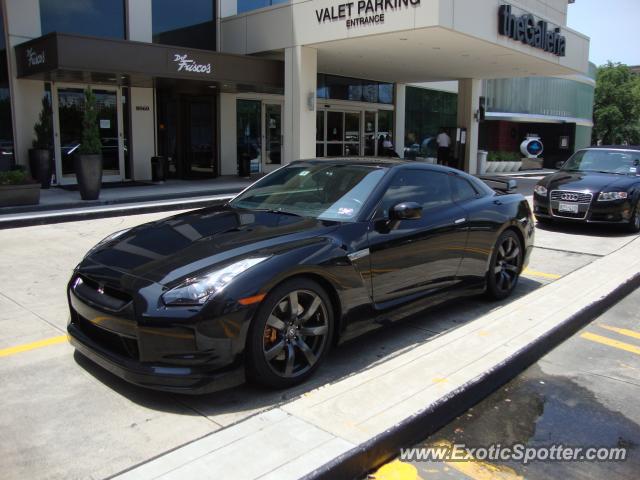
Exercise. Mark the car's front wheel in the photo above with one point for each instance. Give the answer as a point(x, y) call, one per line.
point(634, 223)
point(505, 267)
point(290, 335)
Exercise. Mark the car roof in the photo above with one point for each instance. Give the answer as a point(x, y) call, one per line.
point(389, 163)
point(614, 147)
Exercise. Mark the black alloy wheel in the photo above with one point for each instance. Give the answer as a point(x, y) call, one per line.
point(634, 223)
point(290, 335)
point(506, 266)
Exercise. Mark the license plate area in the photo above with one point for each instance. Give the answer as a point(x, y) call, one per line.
point(568, 207)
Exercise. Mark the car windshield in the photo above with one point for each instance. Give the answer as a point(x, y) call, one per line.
point(322, 191)
point(623, 162)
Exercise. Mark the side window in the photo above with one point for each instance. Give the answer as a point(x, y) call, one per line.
point(428, 188)
point(462, 189)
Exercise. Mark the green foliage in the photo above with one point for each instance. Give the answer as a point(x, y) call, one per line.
point(90, 143)
point(503, 157)
point(44, 127)
point(617, 105)
point(14, 177)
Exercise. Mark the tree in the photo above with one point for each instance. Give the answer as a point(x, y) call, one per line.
point(91, 143)
point(44, 127)
point(616, 112)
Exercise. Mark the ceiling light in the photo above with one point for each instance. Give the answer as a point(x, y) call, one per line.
point(403, 39)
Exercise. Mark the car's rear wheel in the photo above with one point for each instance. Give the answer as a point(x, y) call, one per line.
point(290, 335)
point(506, 266)
point(634, 223)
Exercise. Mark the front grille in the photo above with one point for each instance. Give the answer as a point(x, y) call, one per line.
point(100, 293)
point(572, 197)
point(114, 343)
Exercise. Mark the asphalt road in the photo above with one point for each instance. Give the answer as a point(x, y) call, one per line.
point(584, 393)
point(64, 417)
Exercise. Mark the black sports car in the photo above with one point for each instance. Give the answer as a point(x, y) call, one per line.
point(596, 185)
point(314, 253)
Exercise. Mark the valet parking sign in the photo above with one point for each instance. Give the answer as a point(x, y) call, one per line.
point(362, 12)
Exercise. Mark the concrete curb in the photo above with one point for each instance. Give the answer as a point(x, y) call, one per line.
point(107, 210)
point(382, 448)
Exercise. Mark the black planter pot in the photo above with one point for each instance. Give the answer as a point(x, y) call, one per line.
point(40, 165)
point(89, 175)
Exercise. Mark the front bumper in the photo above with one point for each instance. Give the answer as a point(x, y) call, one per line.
point(614, 212)
point(157, 377)
point(182, 350)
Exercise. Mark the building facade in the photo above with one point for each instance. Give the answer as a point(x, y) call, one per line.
point(212, 84)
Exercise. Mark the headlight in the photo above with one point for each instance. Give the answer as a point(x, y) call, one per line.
point(196, 291)
point(608, 196)
point(540, 190)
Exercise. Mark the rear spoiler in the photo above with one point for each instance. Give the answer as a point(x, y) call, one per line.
point(500, 184)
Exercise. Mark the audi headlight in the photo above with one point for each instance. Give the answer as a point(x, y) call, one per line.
point(540, 190)
point(196, 291)
point(608, 196)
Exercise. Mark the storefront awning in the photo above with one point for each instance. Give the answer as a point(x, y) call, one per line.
point(79, 59)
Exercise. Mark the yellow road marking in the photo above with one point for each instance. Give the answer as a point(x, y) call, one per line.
point(533, 273)
point(610, 342)
point(396, 470)
point(33, 345)
point(621, 331)
point(479, 470)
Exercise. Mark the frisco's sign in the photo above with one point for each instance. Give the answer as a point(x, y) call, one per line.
point(362, 12)
point(535, 34)
point(34, 58)
point(186, 64)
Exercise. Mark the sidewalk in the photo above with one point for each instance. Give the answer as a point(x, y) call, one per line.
point(344, 429)
point(58, 204)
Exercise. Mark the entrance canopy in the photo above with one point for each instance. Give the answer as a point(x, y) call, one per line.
point(79, 59)
point(434, 54)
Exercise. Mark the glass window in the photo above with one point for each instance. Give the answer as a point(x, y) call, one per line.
point(354, 89)
point(320, 190)
point(428, 188)
point(249, 133)
point(248, 5)
point(188, 23)
point(335, 131)
point(462, 189)
point(385, 93)
point(6, 122)
point(97, 18)
point(426, 112)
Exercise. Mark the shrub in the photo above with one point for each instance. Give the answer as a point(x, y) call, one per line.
point(14, 177)
point(42, 128)
point(91, 144)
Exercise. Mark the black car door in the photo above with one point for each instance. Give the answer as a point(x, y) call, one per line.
point(414, 256)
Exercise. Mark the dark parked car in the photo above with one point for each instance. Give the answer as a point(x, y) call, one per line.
point(596, 185)
point(314, 253)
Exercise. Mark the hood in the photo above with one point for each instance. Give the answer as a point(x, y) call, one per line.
point(179, 246)
point(587, 181)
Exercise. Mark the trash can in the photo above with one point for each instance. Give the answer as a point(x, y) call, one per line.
point(244, 166)
point(482, 161)
point(158, 169)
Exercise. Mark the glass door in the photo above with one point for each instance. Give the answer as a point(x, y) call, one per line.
point(199, 151)
point(273, 136)
point(249, 134)
point(68, 112)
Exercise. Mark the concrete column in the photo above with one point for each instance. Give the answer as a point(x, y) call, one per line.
point(23, 24)
point(139, 20)
point(399, 118)
point(228, 141)
point(300, 83)
point(469, 91)
point(143, 129)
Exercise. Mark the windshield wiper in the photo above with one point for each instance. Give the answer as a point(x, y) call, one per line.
point(277, 210)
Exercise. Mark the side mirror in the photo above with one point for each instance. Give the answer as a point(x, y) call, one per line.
point(406, 211)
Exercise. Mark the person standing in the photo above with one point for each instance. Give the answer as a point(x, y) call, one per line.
point(444, 145)
point(387, 145)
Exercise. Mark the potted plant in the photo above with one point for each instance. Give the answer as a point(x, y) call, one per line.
point(88, 159)
point(17, 188)
point(40, 154)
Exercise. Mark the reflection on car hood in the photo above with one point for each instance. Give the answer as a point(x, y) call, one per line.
point(176, 247)
point(587, 181)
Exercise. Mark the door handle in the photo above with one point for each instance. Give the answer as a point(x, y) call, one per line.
point(460, 220)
